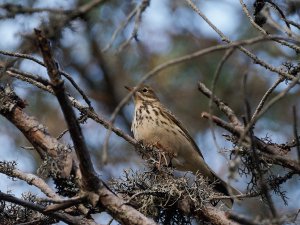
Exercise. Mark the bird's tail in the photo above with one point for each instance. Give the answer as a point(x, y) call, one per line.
point(227, 190)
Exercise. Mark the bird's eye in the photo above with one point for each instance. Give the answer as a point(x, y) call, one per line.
point(145, 90)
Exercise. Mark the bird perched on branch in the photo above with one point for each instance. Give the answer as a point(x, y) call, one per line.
point(154, 125)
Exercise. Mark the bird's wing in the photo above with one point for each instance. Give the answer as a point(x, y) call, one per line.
point(221, 187)
point(169, 115)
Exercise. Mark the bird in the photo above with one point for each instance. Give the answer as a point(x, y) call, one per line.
point(154, 125)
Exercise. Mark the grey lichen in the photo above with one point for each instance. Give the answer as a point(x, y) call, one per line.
point(161, 195)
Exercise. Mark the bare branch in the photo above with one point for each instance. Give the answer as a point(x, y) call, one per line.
point(83, 109)
point(32, 179)
point(226, 39)
point(216, 217)
point(122, 26)
point(222, 106)
point(87, 7)
point(269, 105)
point(90, 180)
point(44, 81)
point(14, 9)
point(64, 204)
point(296, 131)
point(120, 211)
point(227, 54)
point(241, 219)
point(244, 7)
point(270, 151)
point(142, 7)
point(266, 95)
point(61, 216)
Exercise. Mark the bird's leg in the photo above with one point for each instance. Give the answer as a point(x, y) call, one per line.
point(162, 155)
point(159, 160)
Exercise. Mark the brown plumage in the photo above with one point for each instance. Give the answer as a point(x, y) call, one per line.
point(154, 124)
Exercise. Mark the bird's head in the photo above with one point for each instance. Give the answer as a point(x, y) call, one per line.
point(143, 94)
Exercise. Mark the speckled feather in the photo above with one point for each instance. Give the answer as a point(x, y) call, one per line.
point(155, 125)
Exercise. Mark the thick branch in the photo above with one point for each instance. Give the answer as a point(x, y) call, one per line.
point(216, 217)
point(90, 180)
point(118, 209)
point(32, 179)
point(34, 132)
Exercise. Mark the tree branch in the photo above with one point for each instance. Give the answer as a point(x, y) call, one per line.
point(112, 203)
point(60, 216)
point(90, 180)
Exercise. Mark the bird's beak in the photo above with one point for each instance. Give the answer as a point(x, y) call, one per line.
point(128, 88)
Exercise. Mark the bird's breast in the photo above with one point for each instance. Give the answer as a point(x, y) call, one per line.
point(152, 128)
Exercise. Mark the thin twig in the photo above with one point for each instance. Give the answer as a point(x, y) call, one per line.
point(30, 76)
point(62, 134)
point(61, 216)
point(258, 171)
point(83, 109)
point(269, 105)
point(121, 26)
point(138, 18)
point(221, 123)
point(297, 25)
point(241, 196)
point(226, 39)
point(217, 73)
point(34, 59)
point(296, 136)
point(266, 95)
point(75, 85)
point(241, 219)
point(283, 161)
point(14, 9)
point(272, 23)
point(142, 193)
point(244, 7)
point(110, 221)
point(221, 105)
point(266, 149)
point(83, 9)
point(64, 204)
point(281, 14)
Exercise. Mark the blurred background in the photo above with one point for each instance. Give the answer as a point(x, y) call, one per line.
point(168, 29)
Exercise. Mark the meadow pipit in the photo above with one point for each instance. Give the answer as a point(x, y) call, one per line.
point(154, 125)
